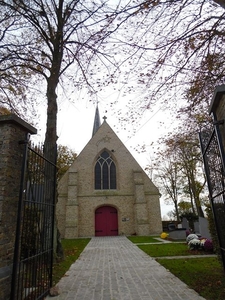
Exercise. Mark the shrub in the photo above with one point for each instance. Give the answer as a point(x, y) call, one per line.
point(213, 232)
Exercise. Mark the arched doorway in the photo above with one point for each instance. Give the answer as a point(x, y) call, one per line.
point(106, 221)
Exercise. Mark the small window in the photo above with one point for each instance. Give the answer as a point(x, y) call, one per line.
point(105, 172)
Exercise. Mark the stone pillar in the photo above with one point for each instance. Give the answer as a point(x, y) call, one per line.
point(71, 230)
point(12, 130)
point(154, 213)
point(140, 206)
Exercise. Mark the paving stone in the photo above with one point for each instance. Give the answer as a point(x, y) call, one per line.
point(113, 268)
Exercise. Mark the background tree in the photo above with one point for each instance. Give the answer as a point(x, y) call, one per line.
point(168, 176)
point(61, 43)
point(102, 38)
point(180, 47)
point(55, 40)
point(184, 207)
point(65, 158)
point(14, 80)
point(187, 147)
point(172, 43)
point(44, 43)
point(180, 173)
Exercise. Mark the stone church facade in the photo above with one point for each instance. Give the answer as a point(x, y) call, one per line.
point(105, 192)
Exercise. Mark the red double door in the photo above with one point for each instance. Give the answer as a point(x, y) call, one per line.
point(106, 221)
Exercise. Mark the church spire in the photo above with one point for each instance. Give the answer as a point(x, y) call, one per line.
point(97, 122)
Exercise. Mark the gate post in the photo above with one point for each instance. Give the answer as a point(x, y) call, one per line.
point(217, 111)
point(12, 130)
point(217, 189)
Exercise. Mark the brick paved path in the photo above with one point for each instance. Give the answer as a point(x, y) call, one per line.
point(113, 268)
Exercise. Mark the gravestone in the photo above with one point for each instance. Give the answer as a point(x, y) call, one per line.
point(185, 223)
point(197, 227)
point(204, 228)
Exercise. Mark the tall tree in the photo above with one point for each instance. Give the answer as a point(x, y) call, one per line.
point(171, 45)
point(190, 160)
point(45, 42)
point(180, 46)
point(61, 39)
point(185, 152)
point(169, 177)
point(13, 80)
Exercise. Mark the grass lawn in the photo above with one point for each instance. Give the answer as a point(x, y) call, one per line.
point(72, 250)
point(205, 275)
point(143, 239)
point(172, 249)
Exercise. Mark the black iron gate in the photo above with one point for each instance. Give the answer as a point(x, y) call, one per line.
point(214, 163)
point(33, 256)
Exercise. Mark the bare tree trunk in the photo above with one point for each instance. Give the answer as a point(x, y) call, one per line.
point(176, 210)
point(51, 126)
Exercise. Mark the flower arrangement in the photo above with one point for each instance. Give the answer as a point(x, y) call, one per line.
point(208, 245)
point(196, 243)
point(187, 232)
point(191, 237)
point(202, 242)
point(164, 235)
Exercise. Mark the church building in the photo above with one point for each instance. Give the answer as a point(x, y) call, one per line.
point(105, 192)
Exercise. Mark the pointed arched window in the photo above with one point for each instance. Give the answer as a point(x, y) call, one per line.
point(105, 172)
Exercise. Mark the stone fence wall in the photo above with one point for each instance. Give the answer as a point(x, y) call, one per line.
point(12, 131)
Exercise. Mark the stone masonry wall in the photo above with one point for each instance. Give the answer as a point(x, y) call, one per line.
point(135, 198)
point(12, 130)
point(123, 204)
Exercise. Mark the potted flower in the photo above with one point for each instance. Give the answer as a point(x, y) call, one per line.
point(194, 244)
